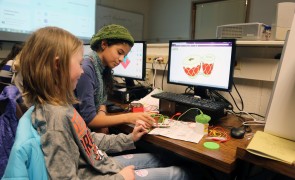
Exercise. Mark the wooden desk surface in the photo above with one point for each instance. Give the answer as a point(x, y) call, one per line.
point(223, 159)
point(276, 166)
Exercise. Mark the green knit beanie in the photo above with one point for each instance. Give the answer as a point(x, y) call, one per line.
point(112, 31)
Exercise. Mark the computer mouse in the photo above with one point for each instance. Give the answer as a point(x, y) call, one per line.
point(237, 133)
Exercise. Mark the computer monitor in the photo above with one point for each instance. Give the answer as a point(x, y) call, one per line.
point(19, 19)
point(203, 64)
point(133, 66)
point(87, 49)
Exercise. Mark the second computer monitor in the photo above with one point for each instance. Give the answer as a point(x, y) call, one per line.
point(133, 66)
point(203, 64)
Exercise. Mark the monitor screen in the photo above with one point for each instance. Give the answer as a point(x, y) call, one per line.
point(87, 49)
point(18, 19)
point(133, 66)
point(203, 64)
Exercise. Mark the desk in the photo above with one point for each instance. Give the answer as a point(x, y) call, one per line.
point(270, 164)
point(224, 159)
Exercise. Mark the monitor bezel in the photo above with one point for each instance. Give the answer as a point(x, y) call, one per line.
point(232, 64)
point(143, 65)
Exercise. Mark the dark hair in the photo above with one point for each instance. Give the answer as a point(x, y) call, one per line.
point(97, 45)
point(16, 48)
point(107, 75)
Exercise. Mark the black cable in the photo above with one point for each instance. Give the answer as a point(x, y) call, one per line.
point(164, 76)
point(242, 102)
point(234, 101)
point(139, 83)
point(223, 98)
point(188, 89)
point(257, 115)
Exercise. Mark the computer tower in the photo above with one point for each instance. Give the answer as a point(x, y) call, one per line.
point(125, 95)
point(170, 108)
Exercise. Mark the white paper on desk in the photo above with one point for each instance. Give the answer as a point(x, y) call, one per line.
point(149, 101)
point(186, 131)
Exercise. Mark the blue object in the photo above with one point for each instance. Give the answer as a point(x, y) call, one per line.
point(26, 160)
point(8, 123)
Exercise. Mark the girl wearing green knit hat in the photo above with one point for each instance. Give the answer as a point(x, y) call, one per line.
point(110, 45)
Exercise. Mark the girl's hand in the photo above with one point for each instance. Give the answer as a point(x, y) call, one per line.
point(145, 117)
point(138, 131)
point(128, 173)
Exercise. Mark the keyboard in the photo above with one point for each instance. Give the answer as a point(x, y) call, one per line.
point(215, 109)
point(190, 100)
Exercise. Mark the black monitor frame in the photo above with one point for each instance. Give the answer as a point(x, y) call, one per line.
point(129, 81)
point(200, 90)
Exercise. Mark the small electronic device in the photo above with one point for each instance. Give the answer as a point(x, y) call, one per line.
point(114, 109)
point(161, 125)
point(203, 64)
point(133, 66)
point(137, 107)
point(243, 31)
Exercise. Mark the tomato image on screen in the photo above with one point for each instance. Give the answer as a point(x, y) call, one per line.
point(208, 64)
point(198, 65)
point(207, 68)
point(192, 65)
point(192, 71)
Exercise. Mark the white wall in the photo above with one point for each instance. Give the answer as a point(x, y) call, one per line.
point(172, 18)
point(169, 19)
point(135, 6)
point(264, 11)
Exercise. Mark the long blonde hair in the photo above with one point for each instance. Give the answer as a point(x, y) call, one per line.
point(44, 81)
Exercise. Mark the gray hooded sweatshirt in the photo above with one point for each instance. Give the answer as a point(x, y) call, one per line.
point(71, 150)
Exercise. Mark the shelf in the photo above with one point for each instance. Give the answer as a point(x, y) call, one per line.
point(239, 43)
point(260, 43)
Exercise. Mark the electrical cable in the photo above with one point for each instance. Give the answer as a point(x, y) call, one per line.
point(159, 117)
point(257, 115)
point(253, 122)
point(176, 114)
point(188, 89)
point(164, 76)
point(187, 111)
point(154, 77)
point(242, 102)
point(218, 133)
point(223, 98)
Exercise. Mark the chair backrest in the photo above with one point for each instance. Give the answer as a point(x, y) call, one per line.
point(9, 116)
point(26, 160)
point(3, 85)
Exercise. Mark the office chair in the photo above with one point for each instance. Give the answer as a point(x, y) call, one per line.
point(26, 160)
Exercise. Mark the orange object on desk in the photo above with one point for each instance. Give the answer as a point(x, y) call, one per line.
point(137, 107)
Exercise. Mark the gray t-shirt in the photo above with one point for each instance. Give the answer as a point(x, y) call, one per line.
point(71, 150)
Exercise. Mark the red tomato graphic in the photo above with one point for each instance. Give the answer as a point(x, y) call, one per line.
point(207, 68)
point(192, 71)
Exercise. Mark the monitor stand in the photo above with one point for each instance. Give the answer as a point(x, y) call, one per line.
point(201, 92)
point(129, 84)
